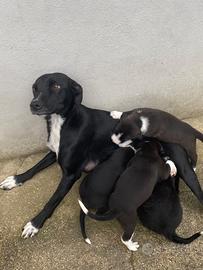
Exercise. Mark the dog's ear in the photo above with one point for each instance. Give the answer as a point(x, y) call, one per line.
point(77, 91)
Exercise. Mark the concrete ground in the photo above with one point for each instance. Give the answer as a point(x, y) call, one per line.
point(59, 244)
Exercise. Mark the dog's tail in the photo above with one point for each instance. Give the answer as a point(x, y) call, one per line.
point(107, 216)
point(177, 239)
point(82, 227)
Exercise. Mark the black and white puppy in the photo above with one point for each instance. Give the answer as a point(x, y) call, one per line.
point(133, 188)
point(157, 124)
point(162, 212)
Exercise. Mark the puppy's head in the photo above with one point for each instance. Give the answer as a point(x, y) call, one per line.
point(55, 93)
point(125, 131)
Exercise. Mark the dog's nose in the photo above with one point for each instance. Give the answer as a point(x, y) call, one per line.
point(35, 105)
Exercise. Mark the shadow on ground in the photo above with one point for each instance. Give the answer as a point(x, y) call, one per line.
point(59, 244)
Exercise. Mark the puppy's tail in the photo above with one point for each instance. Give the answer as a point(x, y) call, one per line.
point(107, 216)
point(82, 227)
point(177, 239)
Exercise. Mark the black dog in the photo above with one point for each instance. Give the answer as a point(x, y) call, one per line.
point(162, 212)
point(157, 124)
point(79, 138)
point(97, 186)
point(133, 188)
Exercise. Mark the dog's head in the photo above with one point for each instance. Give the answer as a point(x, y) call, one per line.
point(55, 93)
point(126, 130)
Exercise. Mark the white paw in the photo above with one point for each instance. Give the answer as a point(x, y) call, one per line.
point(116, 138)
point(9, 183)
point(173, 167)
point(29, 230)
point(116, 114)
point(87, 240)
point(133, 246)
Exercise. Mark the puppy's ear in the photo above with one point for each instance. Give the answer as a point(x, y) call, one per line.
point(78, 92)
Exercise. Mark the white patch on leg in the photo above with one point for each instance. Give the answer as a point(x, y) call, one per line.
point(87, 240)
point(133, 246)
point(145, 124)
point(173, 168)
point(82, 206)
point(29, 230)
point(116, 138)
point(116, 114)
point(126, 143)
point(9, 183)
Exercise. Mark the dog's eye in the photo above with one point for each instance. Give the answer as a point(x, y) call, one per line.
point(55, 87)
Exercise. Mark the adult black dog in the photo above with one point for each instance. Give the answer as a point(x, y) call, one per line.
point(79, 138)
point(162, 212)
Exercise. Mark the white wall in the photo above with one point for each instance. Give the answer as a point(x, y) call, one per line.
point(124, 53)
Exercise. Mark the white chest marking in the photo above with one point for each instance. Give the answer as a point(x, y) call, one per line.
point(145, 124)
point(56, 123)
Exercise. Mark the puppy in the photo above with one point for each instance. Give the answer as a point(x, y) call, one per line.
point(162, 212)
point(133, 188)
point(158, 124)
point(97, 186)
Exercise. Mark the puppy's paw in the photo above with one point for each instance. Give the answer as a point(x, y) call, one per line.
point(116, 114)
point(133, 246)
point(172, 167)
point(29, 230)
point(9, 183)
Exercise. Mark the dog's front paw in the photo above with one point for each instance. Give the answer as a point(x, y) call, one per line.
point(173, 168)
point(116, 114)
point(29, 230)
point(9, 183)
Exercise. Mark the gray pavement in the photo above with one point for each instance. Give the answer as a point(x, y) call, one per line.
point(59, 244)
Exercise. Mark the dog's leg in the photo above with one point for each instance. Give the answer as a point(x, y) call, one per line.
point(32, 227)
point(190, 146)
point(185, 170)
point(17, 180)
point(191, 180)
point(177, 184)
point(116, 114)
point(128, 224)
